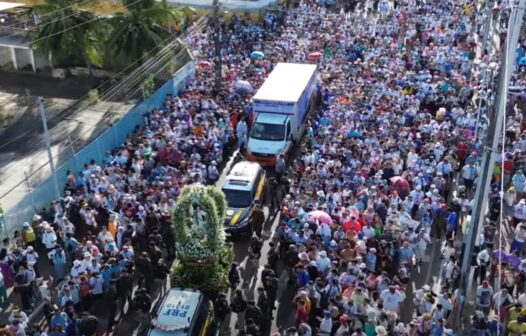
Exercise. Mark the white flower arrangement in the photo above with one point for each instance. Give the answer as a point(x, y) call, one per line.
point(190, 243)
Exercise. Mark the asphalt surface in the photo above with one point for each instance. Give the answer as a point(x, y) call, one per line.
point(425, 273)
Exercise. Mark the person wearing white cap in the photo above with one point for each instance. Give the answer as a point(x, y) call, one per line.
point(519, 212)
point(32, 259)
point(371, 259)
point(49, 238)
point(417, 194)
point(127, 252)
point(58, 258)
point(104, 235)
point(381, 331)
point(86, 261)
point(77, 270)
point(323, 263)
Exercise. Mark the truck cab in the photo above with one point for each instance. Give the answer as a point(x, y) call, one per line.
point(271, 135)
point(281, 107)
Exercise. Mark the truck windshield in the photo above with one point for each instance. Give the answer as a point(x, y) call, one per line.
point(237, 198)
point(269, 132)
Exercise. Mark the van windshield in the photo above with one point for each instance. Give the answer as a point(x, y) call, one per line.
point(238, 198)
point(270, 132)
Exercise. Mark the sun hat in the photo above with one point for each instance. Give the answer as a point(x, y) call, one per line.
point(381, 331)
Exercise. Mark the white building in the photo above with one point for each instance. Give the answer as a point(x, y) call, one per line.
point(16, 24)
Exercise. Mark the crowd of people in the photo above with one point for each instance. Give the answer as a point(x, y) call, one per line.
point(112, 229)
point(387, 171)
point(113, 226)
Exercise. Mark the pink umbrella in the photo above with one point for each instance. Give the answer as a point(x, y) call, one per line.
point(321, 216)
point(314, 56)
point(204, 63)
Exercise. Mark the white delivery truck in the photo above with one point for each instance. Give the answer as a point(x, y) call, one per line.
point(280, 109)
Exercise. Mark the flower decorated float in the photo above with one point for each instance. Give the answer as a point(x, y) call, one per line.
point(204, 256)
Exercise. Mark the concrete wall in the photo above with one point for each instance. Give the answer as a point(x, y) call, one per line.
point(44, 193)
point(5, 56)
point(23, 58)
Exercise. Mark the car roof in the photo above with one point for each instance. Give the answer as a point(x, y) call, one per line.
point(242, 175)
point(183, 300)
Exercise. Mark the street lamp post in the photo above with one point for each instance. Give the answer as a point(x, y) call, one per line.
point(42, 110)
point(489, 155)
point(485, 71)
point(217, 47)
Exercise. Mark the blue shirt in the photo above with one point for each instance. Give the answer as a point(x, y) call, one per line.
point(452, 221)
point(303, 279)
point(61, 319)
point(406, 254)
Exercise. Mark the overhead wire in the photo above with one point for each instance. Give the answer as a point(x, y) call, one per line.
point(161, 68)
point(72, 142)
point(118, 75)
point(154, 62)
point(96, 17)
point(141, 70)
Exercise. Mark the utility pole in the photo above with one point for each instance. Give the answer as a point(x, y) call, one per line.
point(490, 153)
point(47, 139)
point(217, 45)
point(485, 71)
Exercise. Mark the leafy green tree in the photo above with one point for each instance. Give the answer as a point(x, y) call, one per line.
point(68, 34)
point(138, 31)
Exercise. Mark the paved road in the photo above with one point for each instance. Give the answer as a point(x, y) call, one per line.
point(426, 273)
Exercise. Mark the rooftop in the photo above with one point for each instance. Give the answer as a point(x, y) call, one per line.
point(16, 40)
point(286, 82)
point(15, 17)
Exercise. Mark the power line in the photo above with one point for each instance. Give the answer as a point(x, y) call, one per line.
point(130, 66)
point(64, 30)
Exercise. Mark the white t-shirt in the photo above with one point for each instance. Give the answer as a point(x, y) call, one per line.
point(519, 235)
point(520, 211)
point(392, 300)
point(96, 285)
point(522, 299)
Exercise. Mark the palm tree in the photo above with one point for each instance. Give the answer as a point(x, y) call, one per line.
point(67, 33)
point(142, 29)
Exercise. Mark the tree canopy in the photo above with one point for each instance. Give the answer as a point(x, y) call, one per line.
point(70, 33)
